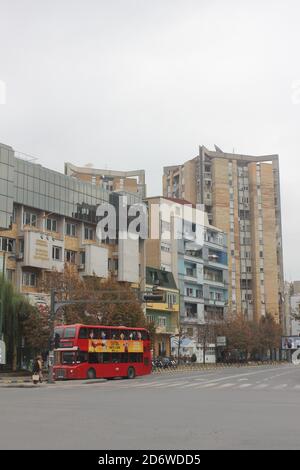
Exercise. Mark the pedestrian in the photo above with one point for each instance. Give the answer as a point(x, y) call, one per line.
point(37, 368)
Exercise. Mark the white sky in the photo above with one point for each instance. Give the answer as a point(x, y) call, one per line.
point(127, 84)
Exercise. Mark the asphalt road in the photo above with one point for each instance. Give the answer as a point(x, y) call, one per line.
point(234, 408)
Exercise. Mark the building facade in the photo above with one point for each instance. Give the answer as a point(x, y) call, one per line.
point(111, 180)
point(196, 258)
point(241, 195)
point(165, 314)
point(48, 219)
point(292, 308)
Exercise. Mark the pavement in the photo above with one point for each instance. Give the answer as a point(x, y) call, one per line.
point(229, 408)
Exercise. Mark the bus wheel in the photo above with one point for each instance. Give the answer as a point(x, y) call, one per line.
point(91, 374)
point(130, 373)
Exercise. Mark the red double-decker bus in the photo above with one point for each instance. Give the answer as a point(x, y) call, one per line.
point(87, 351)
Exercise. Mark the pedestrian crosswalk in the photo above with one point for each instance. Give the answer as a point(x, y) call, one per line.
point(205, 385)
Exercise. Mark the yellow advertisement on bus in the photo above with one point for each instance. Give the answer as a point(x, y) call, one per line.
point(115, 346)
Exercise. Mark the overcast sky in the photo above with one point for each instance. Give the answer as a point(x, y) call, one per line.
point(128, 84)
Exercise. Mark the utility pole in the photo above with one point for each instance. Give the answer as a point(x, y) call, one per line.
point(51, 339)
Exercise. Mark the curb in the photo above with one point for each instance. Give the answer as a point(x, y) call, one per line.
point(189, 368)
point(14, 381)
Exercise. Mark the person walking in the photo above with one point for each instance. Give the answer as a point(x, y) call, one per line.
point(37, 369)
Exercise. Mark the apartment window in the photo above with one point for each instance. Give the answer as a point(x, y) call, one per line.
point(21, 246)
point(189, 292)
point(261, 254)
point(70, 256)
point(151, 318)
point(165, 248)
point(51, 225)
point(10, 275)
point(82, 257)
point(70, 229)
point(248, 269)
point(89, 234)
point(56, 253)
point(190, 332)
point(199, 293)
point(162, 321)
point(7, 244)
point(29, 219)
point(29, 279)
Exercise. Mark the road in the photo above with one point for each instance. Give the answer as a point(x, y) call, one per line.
point(233, 408)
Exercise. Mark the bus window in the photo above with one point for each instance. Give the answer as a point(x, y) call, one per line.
point(145, 335)
point(70, 332)
point(83, 333)
point(135, 357)
point(132, 334)
point(81, 357)
point(68, 357)
point(115, 358)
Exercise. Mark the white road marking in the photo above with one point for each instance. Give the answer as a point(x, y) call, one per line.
point(279, 387)
point(226, 385)
point(261, 386)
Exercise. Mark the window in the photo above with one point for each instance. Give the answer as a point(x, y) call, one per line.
point(151, 318)
point(199, 293)
point(10, 275)
point(56, 253)
point(21, 246)
point(7, 244)
point(51, 225)
point(94, 179)
point(29, 279)
point(70, 333)
point(70, 229)
point(89, 233)
point(70, 256)
point(29, 219)
point(162, 321)
point(82, 257)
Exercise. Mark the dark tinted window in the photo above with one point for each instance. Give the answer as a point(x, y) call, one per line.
point(99, 358)
point(68, 358)
point(83, 333)
point(145, 335)
point(135, 357)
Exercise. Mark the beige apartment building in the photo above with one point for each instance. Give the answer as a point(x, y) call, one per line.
point(241, 195)
point(132, 181)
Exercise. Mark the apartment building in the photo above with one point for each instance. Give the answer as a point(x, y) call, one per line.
point(184, 243)
point(111, 180)
point(165, 314)
point(241, 195)
point(48, 219)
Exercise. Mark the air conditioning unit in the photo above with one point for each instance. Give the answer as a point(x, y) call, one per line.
point(81, 267)
point(20, 257)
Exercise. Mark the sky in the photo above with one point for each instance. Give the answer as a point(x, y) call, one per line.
point(127, 84)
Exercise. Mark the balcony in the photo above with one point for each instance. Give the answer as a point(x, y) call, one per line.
point(222, 302)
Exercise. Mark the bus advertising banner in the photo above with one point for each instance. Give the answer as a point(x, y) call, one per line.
point(115, 346)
